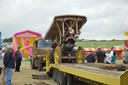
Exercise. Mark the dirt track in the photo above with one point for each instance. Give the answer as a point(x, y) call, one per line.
point(25, 76)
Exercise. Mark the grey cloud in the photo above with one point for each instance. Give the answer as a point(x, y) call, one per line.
point(106, 18)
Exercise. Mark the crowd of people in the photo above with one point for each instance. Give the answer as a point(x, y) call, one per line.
point(108, 57)
point(8, 61)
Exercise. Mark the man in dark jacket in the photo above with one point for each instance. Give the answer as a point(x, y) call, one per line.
point(90, 58)
point(18, 57)
point(8, 65)
point(100, 56)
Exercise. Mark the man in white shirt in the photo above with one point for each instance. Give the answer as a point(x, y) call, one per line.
point(113, 55)
point(108, 58)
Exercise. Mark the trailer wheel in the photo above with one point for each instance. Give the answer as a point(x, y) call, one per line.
point(54, 75)
point(50, 74)
point(40, 67)
point(63, 78)
point(69, 79)
point(57, 76)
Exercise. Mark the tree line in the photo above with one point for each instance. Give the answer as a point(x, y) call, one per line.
point(7, 40)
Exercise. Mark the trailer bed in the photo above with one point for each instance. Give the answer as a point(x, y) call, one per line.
point(94, 72)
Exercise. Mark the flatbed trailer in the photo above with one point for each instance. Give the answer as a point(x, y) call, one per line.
point(89, 73)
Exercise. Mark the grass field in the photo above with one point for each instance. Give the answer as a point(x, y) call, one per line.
point(95, 44)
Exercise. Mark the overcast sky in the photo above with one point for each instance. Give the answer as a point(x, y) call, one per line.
point(106, 19)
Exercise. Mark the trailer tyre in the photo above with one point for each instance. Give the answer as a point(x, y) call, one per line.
point(54, 75)
point(69, 79)
point(57, 76)
point(50, 74)
point(63, 78)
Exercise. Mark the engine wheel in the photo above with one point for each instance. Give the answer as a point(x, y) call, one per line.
point(80, 55)
point(57, 55)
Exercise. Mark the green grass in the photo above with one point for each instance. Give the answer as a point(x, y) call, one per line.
point(95, 44)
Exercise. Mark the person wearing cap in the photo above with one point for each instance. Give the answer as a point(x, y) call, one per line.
point(124, 54)
point(8, 65)
point(18, 57)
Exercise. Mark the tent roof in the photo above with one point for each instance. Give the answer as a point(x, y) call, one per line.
point(27, 33)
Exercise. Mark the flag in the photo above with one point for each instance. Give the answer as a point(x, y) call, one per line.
point(125, 33)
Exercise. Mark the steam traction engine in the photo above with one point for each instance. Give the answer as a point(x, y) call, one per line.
point(64, 32)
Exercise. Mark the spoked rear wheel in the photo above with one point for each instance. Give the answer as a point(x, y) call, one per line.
point(80, 55)
point(57, 55)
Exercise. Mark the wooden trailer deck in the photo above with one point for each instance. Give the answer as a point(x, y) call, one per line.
point(94, 72)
